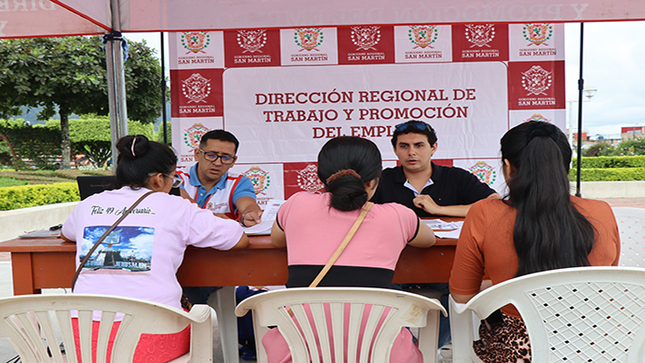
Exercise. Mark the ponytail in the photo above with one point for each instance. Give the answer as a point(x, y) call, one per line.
point(549, 232)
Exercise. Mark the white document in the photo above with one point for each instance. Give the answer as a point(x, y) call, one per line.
point(268, 217)
point(443, 229)
point(51, 232)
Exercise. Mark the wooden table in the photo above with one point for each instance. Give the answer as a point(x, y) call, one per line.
point(41, 263)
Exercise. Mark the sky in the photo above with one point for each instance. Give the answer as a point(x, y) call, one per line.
point(613, 64)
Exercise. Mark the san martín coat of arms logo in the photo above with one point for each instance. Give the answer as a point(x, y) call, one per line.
point(537, 33)
point(479, 35)
point(308, 179)
point(195, 42)
point(196, 88)
point(308, 38)
point(193, 135)
point(484, 172)
point(422, 35)
point(536, 80)
point(251, 40)
point(365, 37)
point(537, 117)
point(260, 179)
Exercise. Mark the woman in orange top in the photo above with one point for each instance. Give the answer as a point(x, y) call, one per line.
point(539, 226)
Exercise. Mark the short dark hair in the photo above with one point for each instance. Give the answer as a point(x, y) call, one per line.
point(139, 157)
point(414, 127)
point(221, 135)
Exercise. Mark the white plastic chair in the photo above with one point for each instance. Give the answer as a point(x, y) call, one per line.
point(631, 225)
point(32, 323)
point(399, 309)
point(582, 314)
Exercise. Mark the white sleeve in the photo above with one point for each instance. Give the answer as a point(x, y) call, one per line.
point(207, 230)
point(68, 230)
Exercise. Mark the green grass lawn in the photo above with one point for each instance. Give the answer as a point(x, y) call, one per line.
point(11, 182)
point(9, 178)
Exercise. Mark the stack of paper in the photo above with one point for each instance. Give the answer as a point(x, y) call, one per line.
point(268, 217)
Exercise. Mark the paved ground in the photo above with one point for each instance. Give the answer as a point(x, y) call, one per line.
point(626, 202)
point(6, 351)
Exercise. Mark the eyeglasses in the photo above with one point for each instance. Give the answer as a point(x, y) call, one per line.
point(176, 181)
point(212, 156)
point(421, 126)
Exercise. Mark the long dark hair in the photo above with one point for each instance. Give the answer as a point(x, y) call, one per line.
point(337, 159)
point(138, 157)
point(549, 232)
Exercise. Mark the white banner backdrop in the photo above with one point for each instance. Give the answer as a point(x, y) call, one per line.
point(285, 92)
point(296, 110)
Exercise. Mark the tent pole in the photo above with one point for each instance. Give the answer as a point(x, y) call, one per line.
point(119, 76)
point(114, 129)
point(163, 92)
point(581, 87)
point(116, 82)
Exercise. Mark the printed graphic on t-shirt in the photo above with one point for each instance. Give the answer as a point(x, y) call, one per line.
point(125, 250)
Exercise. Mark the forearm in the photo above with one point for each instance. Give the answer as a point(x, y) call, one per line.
point(185, 195)
point(458, 210)
point(250, 211)
point(249, 208)
point(242, 243)
point(462, 299)
point(453, 210)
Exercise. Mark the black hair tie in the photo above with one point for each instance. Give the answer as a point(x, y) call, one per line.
point(542, 129)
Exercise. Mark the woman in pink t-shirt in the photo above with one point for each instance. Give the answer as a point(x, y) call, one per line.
point(140, 258)
point(312, 226)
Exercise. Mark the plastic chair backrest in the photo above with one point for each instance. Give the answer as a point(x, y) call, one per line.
point(582, 314)
point(631, 224)
point(32, 323)
point(302, 314)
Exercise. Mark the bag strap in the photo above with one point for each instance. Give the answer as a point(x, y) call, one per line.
point(109, 230)
point(342, 246)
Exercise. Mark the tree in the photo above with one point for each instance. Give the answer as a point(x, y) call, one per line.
point(40, 143)
point(90, 135)
point(69, 74)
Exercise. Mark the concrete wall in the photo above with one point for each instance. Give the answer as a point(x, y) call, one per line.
point(611, 189)
point(15, 222)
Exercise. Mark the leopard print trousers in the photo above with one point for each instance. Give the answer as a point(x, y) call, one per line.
point(503, 342)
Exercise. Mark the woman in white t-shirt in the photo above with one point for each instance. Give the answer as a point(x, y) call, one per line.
point(140, 258)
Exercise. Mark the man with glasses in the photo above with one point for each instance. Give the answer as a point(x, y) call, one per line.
point(429, 190)
point(211, 186)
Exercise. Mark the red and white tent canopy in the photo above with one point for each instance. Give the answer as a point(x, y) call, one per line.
point(42, 18)
point(47, 18)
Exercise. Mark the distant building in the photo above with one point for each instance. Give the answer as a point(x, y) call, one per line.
point(632, 132)
point(585, 136)
point(588, 141)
